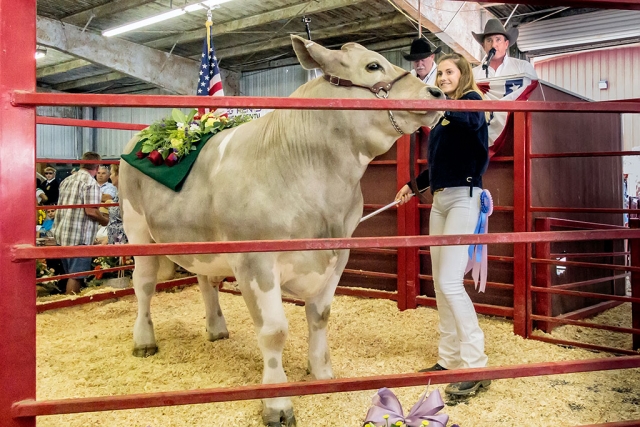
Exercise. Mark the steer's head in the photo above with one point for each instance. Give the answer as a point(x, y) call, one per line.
point(366, 68)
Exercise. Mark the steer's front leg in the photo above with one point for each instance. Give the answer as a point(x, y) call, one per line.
point(261, 291)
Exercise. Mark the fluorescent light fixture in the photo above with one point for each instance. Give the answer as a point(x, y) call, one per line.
point(210, 4)
point(193, 7)
point(143, 23)
point(41, 52)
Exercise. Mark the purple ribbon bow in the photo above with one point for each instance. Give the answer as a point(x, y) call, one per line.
point(385, 402)
point(478, 253)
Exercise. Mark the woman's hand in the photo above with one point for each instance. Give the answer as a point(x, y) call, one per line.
point(404, 195)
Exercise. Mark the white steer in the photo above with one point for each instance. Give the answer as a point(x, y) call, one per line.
point(291, 174)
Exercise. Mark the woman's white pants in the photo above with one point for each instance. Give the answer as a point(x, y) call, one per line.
point(461, 339)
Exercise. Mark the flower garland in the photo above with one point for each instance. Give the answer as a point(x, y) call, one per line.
point(170, 140)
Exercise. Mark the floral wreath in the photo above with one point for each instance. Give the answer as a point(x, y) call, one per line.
point(171, 139)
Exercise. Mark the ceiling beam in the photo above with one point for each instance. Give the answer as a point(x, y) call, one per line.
point(110, 8)
point(88, 81)
point(170, 72)
point(61, 68)
point(282, 14)
point(451, 22)
point(324, 33)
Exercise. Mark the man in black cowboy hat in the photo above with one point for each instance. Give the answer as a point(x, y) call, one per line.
point(422, 59)
point(496, 37)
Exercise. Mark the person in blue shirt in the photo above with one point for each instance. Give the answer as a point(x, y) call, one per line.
point(458, 156)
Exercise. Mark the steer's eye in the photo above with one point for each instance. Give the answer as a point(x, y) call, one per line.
point(374, 66)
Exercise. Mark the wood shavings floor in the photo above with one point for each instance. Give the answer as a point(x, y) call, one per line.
point(86, 351)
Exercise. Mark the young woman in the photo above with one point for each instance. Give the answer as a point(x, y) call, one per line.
point(115, 231)
point(458, 156)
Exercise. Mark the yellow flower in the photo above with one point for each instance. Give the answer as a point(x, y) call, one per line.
point(386, 416)
point(223, 119)
point(425, 422)
point(177, 143)
point(210, 122)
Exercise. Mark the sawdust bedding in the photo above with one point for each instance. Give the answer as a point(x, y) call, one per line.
point(86, 351)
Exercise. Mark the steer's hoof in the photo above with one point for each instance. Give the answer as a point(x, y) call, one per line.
point(217, 336)
point(287, 419)
point(145, 351)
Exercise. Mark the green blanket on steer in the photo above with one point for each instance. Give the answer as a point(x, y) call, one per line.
point(170, 176)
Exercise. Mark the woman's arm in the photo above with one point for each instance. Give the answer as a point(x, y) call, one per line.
point(471, 119)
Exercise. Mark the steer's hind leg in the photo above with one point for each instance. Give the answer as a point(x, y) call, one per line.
point(261, 291)
point(317, 309)
point(144, 283)
point(216, 325)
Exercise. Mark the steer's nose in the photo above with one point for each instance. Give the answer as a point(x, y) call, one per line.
point(435, 92)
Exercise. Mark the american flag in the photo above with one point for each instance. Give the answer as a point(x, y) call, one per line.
point(209, 82)
point(517, 87)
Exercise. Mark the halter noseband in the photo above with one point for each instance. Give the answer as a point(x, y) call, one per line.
point(380, 90)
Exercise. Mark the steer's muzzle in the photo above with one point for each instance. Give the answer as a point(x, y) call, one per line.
point(435, 92)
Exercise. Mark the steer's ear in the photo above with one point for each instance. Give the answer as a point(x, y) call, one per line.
point(310, 54)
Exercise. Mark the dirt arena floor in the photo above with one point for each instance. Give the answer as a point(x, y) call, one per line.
point(86, 351)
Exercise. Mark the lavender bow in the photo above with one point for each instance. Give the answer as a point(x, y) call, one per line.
point(385, 402)
point(478, 253)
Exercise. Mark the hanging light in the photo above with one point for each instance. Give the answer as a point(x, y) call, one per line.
point(41, 52)
point(162, 17)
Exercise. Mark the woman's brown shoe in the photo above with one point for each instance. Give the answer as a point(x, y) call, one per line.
point(433, 368)
point(466, 388)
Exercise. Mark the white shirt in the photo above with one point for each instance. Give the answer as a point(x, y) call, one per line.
point(430, 78)
point(108, 188)
point(508, 67)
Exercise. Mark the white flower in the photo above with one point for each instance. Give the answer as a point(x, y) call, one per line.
point(194, 127)
point(180, 125)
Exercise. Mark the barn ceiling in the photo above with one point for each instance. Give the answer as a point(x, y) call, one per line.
point(248, 35)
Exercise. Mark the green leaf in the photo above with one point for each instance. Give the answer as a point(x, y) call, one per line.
point(178, 116)
point(191, 115)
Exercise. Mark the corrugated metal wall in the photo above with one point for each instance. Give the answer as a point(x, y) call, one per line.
point(275, 82)
point(580, 73)
point(57, 142)
point(588, 28)
point(110, 142)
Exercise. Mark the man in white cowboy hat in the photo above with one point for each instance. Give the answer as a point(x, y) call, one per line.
point(495, 36)
point(422, 60)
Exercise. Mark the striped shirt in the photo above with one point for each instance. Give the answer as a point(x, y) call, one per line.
point(74, 227)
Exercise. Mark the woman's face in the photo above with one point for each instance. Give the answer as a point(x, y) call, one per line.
point(448, 77)
point(114, 178)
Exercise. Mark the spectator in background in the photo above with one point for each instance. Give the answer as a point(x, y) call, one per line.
point(115, 230)
point(107, 189)
point(41, 197)
point(75, 227)
point(423, 61)
point(50, 186)
point(47, 224)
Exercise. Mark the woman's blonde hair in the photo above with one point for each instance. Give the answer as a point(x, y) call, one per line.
point(467, 83)
point(115, 169)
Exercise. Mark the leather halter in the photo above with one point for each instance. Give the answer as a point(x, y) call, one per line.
point(380, 90)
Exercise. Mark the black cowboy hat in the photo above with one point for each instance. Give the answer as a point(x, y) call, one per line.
point(493, 26)
point(420, 49)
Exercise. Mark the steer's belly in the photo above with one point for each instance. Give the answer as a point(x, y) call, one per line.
point(303, 282)
point(207, 264)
